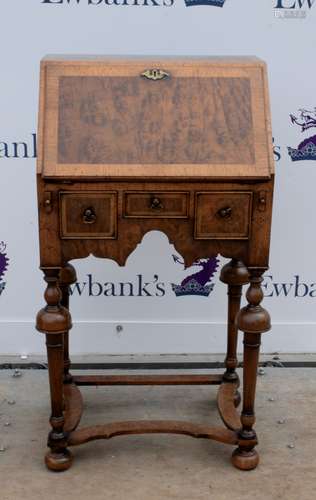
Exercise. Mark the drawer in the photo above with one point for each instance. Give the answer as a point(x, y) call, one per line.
point(88, 215)
point(156, 204)
point(223, 215)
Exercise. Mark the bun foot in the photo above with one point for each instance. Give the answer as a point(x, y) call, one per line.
point(245, 460)
point(59, 461)
point(237, 399)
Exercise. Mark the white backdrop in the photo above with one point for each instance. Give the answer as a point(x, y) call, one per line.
point(282, 32)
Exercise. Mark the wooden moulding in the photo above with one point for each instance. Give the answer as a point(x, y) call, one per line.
point(226, 406)
point(87, 380)
point(113, 429)
point(73, 407)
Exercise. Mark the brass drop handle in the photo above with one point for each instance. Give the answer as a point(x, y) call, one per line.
point(89, 216)
point(225, 213)
point(156, 204)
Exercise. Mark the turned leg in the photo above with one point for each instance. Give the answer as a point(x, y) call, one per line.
point(67, 277)
point(235, 275)
point(54, 321)
point(252, 320)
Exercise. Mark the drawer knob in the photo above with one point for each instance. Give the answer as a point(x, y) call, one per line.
point(89, 216)
point(225, 213)
point(156, 204)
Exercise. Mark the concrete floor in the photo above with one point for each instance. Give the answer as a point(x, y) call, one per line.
point(156, 467)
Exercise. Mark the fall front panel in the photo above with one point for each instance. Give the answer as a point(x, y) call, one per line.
point(177, 120)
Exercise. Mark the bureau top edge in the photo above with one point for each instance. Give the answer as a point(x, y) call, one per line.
point(141, 59)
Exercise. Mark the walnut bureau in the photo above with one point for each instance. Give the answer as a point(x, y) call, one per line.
point(132, 144)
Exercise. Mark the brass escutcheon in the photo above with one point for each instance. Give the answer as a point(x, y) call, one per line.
point(155, 74)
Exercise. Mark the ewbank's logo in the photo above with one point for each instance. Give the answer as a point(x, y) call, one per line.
point(197, 283)
point(3, 265)
point(290, 9)
point(18, 149)
point(296, 288)
point(215, 3)
point(306, 150)
point(112, 3)
point(200, 282)
point(134, 3)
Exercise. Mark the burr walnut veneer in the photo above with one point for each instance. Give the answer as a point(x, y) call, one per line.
point(180, 145)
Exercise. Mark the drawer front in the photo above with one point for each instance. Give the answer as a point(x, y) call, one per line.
point(88, 215)
point(156, 204)
point(223, 215)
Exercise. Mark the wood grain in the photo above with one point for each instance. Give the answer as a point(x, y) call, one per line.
point(223, 215)
point(119, 120)
point(208, 119)
point(73, 407)
point(108, 431)
point(155, 204)
point(103, 206)
point(95, 380)
point(56, 251)
point(226, 406)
